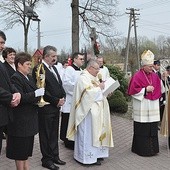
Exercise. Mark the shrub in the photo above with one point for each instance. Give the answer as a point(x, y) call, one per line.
point(117, 74)
point(117, 102)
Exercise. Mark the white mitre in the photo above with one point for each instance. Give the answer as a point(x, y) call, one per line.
point(147, 58)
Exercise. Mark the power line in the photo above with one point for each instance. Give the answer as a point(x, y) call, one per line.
point(157, 13)
point(147, 22)
point(152, 4)
point(154, 25)
point(155, 31)
point(58, 30)
point(49, 35)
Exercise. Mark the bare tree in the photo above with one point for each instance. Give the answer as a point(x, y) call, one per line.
point(99, 14)
point(75, 25)
point(12, 13)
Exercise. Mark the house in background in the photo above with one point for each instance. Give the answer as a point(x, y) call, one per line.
point(37, 57)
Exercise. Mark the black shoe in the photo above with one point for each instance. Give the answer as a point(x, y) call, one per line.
point(69, 144)
point(97, 163)
point(70, 147)
point(59, 162)
point(52, 166)
point(100, 159)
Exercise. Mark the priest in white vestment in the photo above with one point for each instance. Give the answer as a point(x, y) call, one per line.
point(69, 80)
point(104, 71)
point(89, 122)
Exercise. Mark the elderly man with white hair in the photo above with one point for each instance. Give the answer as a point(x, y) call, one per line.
point(89, 122)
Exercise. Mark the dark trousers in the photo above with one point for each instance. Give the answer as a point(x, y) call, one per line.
point(48, 136)
point(161, 112)
point(63, 131)
point(1, 137)
point(145, 139)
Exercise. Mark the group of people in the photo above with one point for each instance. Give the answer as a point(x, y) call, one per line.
point(77, 94)
point(85, 124)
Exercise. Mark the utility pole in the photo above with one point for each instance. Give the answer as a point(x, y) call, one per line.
point(34, 16)
point(136, 40)
point(127, 45)
point(132, 18)
point(38, 34)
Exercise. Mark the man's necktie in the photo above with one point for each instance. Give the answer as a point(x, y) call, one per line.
point(54, 73)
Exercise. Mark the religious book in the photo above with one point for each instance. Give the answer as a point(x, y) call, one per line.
point(110, 86)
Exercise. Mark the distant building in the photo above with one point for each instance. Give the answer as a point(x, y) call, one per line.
point(37, 57)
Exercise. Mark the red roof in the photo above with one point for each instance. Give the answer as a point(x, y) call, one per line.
point(38, 52)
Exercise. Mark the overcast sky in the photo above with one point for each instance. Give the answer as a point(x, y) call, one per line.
point(154, 20)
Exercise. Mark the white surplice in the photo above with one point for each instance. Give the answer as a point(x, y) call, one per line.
point(145, 110)
point(69, 80)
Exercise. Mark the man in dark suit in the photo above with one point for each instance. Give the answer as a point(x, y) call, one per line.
point(49, 114)
point(156, 67)
point(9, 97)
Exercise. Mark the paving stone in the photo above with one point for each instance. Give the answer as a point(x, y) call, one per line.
point(121, 157)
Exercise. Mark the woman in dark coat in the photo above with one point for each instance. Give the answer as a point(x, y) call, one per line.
point(24, 126)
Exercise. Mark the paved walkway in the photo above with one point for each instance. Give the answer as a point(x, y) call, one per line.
point(121, 158)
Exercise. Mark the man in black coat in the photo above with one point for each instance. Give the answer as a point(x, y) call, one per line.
point(49, 114)
point(156, 68)
point(9, 97)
